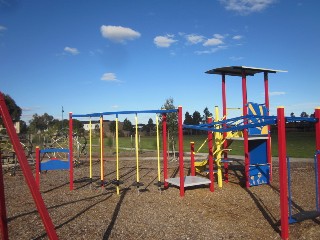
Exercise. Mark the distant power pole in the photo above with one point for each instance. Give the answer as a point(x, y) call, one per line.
point(62, 111)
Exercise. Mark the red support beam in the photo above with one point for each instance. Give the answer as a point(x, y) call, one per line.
point(26, 170)
point(181, 163)
point(165, 150)
point(283, 176)
point(3, 212)
point(192, 153)
point(245, 131)
point(210, 146)
point(317, 129)
point(266, 97)
point(71, 150)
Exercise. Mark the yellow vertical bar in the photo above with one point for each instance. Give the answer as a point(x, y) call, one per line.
point(137, 148)
point(218, 143)
point(117, 154)
point(90, 149)
point(101, 150)
point(158, 148)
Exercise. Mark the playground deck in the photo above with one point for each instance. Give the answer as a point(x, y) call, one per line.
point(232, 212)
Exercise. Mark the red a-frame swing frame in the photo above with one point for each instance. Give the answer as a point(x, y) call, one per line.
point(27, 175)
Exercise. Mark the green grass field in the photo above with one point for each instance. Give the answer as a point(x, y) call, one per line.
point(299, 144)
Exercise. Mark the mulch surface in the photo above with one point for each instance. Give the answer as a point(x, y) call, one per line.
point(93, 212)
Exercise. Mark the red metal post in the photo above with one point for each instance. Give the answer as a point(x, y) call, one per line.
point(181, 163)
point(193, 172)
point(26, 170)
point(245, 131)
point(165, 150)
point(266, 96)
point(317, 129)
point(210, 146)
point(283, 178)
point(101, 152)
point(3, 212)
point(38, 166)
point(71, 150)
point(225, 144)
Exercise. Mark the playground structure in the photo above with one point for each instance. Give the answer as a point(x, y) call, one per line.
point(101, 115)
point(255, 124)
point(8, 156)
point(219, 149)
point(53, 163)
point(60, 140)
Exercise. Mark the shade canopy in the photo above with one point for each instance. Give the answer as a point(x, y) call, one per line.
point(237, 70)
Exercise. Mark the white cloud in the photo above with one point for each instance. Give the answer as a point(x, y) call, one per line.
point(118, 33)
point(213, 42)
point(277, 93)
point(164, 41)
point(233, 58)
point(71, 50)
point(95, 52)
point(2, 28)
point(194, 39)
point(237, 37)
point(109, 77)
point(218, 36)
point(245, 7)
point(211, 51)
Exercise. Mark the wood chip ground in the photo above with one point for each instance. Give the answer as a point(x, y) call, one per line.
point(91, 212)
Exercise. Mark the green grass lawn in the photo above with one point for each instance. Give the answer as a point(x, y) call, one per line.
point(299, 144)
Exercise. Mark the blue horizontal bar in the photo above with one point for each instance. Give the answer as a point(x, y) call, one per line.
point(269, 121)
point(53, 150)
point(124, 112)
point(301, 119)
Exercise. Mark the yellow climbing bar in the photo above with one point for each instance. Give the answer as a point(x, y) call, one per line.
point(137, 148)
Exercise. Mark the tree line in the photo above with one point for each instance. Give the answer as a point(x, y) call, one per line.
point(47, 123)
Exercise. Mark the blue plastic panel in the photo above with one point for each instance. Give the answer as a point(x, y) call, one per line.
point(54, 165)
point(259, 174)
point(258, 151)
point(256, 109)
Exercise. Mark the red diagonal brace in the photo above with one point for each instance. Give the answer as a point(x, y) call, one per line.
point(3, 212)
point(26, 169)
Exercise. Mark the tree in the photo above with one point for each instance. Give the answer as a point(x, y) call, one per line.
point(97, 128)
point(40, 123)
point(207, 114)
point(304, 125)
point(77, 126)
point(172, 123)
point(188, 121)
point(23, 127)
point(127, 125)
point(196, 118)
point(304, 114)
point(14, 110)
point(112, 127)
point(292, 114)
point(150, 125)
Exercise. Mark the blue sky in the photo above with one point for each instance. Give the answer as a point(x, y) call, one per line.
point(102, 55)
